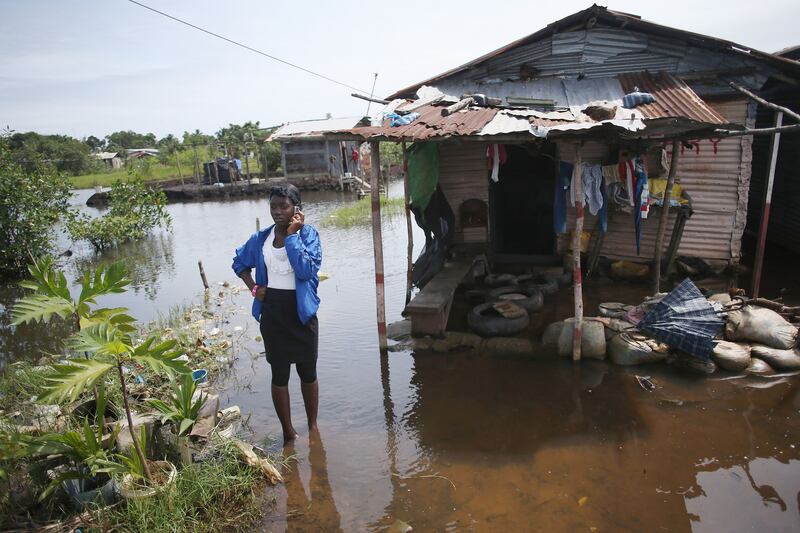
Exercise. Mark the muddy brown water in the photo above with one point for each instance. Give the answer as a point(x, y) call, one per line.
point(465, 441)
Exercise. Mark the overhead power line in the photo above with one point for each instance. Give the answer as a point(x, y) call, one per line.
point(250, 48)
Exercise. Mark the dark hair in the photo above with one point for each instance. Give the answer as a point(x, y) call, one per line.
point(286, 190)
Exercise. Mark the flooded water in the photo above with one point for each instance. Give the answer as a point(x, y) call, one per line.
point(468, 442)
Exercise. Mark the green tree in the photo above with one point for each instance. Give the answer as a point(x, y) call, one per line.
point(94, 143)
point(32, 199)
point(240, 133)
point(65, 153)
point(120, 141)
point(134, 210)
point(197, 138)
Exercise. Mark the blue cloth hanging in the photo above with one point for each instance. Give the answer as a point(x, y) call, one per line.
point(560, 200)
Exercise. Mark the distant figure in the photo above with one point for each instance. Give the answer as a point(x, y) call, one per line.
point(287, 257)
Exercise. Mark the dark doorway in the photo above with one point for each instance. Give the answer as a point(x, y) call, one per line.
point(522, 202)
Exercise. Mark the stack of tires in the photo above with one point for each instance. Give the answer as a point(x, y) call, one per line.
point(526, 292)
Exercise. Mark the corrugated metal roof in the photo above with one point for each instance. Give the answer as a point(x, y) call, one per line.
point(570, 54)
point(313, 128)
point(673, 98)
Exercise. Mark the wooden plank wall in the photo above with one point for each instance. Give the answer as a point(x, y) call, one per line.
point(463, 174)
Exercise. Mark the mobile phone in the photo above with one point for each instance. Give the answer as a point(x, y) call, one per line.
point(297, 209)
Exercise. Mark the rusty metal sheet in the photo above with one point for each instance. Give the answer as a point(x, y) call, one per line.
point(673, 98)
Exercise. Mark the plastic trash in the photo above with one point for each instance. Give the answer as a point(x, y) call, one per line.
point(762, 326)
point(593, 339)
point(733, 356)
point(780, 359)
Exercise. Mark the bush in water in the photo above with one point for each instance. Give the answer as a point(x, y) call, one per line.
point(134, 210)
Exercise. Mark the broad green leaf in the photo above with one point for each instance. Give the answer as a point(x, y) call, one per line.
point(103, 339)
point(40, 307)
point(186, 423)
point(47, 281)
point(73, 378)
point(106, 280)
point(72, 474)
point(161, 358)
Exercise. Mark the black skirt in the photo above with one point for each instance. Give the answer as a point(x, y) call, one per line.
point(286, 339)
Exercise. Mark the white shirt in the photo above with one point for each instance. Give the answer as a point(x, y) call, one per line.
point(280, 274)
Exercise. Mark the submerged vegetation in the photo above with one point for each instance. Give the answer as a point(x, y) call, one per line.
point(63, 419)
point(359, 212)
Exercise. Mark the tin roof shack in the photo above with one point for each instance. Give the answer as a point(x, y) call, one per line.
point(111, 160)
point(311, 161)
point(505, 123)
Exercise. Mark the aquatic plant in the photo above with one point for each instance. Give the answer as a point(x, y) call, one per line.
point(360, 212)
point(134, 210)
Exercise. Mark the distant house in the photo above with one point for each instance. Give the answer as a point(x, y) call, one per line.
point(311, 160)
point(111, 160)
point(137, 153)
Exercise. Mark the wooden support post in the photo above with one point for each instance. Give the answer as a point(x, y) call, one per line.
point(662, 220)
point(762, 228)
point(377, 243)
point(258, 224)
point(410, 248)
point(246, 162)
point(214, 157)
point(203, 275)
point(196, 166)
point(178, 163)
point(577, 181)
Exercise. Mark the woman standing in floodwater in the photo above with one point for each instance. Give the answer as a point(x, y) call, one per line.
point(287, 257)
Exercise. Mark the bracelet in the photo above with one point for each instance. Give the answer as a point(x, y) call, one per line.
point(255, 288)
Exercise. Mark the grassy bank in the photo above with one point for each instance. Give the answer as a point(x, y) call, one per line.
point(360, 212)
point(150, 170)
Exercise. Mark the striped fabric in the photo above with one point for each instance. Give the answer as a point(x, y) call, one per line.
point(684, 320)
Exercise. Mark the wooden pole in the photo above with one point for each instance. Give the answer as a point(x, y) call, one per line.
point(258, 224)
point(764, 225)
point(410, 247)
point(196, 165)
point(577, 181)
point(178, 163)
point(662, 221)
point(377, 243)
point(246, 162)
point(203, 275)
point(776, 107)
point(216, 168)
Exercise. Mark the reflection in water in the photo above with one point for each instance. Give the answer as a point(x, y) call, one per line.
point(314, 510)
point(148, 261)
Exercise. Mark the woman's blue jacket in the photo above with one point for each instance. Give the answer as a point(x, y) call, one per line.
point(304, 251)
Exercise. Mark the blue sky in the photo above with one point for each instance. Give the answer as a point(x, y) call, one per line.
point(93, 67)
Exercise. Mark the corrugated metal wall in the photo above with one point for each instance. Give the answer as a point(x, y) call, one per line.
point(784, 221)
point(718, 184)
point(463, 175)
point(311, 158)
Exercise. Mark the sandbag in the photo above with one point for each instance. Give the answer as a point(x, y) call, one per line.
point(550, 337)
point(757, 367)
point(780, 359)
point(627, 350)
point(760, 325)
point(733, 356)
point(593, 339)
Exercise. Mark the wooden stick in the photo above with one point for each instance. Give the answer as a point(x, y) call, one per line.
point(369, 98)
point(458, 106)
point(246, 161)
point(755, 131)
point(662, 221)
point(258, 224)
point(203, 274)
point(764, 225)
point(577, 181)
point(785, 110)
point(377, 244)
point(410, 248)
point(178, 163)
